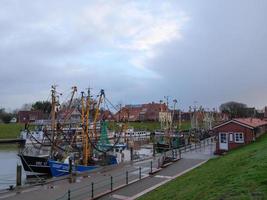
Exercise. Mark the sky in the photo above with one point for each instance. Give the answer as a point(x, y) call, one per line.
point(199, 52)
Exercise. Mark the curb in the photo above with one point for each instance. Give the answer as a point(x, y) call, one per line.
point(166, 181)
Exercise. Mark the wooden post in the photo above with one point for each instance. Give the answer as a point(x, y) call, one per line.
point(131, 150)
point(111, 183)
point(154, 150)
point(68, 194)
point(70, 170)
point(19, 174)
point(92, 191)
point(126, 177)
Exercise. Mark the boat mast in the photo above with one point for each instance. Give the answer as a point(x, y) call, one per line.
point(53, 116)
point(87, 147)
point(102, 94)
point(83, 125)
point(68, 113)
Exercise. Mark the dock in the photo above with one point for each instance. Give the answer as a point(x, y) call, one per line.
point(125, 181)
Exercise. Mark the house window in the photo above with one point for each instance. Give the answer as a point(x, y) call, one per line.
point(239, 138)
point(231, 137)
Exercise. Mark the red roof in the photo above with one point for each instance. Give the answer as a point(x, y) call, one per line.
point(253, 122)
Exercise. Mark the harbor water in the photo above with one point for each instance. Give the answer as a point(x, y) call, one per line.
point(9, 161)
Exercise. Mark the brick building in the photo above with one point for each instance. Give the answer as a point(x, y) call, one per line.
point(238, 132)
point(141, 112)
point(30, 116)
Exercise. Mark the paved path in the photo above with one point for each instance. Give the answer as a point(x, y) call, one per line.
point(81, 189)
point(190, 160)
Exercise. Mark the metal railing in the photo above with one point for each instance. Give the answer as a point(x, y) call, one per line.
point(107, 184)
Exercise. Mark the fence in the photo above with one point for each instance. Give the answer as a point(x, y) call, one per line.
point(106, 184)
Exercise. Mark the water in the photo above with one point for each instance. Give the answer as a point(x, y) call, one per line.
point(8, 164)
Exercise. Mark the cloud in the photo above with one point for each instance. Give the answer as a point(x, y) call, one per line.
point(138, 51)
point(83, 42)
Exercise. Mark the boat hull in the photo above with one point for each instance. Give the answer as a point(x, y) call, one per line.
point(60, 169)
point(35, 165)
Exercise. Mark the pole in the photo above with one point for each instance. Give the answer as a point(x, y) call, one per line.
point(68, 194)
point(131, 151)
point(92, 191)
point(19, 174)
point(126, 177)
point(111, 183)
point(154, 150)
point(140, 175)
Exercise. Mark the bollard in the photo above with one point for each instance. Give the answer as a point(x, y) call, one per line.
point(111, 183)
point(185, 148)
point(126, 177)
point(68, 194)
point(172, 154)
point(131, 152)
point(180, 154)
point(70, 166)
point(140, 175)
point(154, 150)
point(92, 191)
point(70, 170)
point(151, 167)
point(158, 163)
point(195, 146)
point(19, 174)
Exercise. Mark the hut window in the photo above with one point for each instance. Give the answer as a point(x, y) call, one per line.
point(231, 137)
point(239, 137)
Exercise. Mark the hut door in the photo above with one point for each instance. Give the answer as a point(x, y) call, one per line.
point(223, 140)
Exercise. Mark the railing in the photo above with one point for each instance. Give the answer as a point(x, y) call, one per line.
point(107, 184)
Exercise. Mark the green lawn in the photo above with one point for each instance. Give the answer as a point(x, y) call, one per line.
point(241, 174)
point(152, 126)
point(10, 130)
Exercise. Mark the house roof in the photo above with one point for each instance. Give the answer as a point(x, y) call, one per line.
point(246, 122)
point(253, 122)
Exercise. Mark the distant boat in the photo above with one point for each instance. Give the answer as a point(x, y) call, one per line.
point(60, 169)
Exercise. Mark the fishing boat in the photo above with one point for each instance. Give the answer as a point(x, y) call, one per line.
point(35, 165)
point(60, 169)
point(87, 140)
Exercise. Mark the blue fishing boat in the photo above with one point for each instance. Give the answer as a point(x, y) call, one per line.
point(60, 169)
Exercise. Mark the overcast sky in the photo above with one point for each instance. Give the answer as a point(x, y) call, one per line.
point(209, 51)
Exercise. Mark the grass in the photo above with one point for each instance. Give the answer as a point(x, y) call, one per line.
point(152, 126)
point(13, 130)
point(10, 130)
point(239, 175)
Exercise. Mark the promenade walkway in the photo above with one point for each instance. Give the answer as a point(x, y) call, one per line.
point(127, 181)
